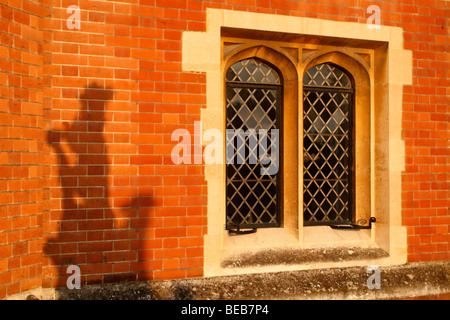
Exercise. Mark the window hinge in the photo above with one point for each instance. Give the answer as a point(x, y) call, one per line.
point(354, 226)
point(238, 230)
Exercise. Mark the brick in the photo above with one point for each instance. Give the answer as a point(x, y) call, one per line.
point(178, 4)
point(170, 232)
point(170, 274)
point(191, 242)
point(191, 263)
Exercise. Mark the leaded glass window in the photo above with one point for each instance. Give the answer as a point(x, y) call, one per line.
point(253, 103)
point(327, 152)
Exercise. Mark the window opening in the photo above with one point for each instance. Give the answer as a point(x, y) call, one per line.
point(253, 123)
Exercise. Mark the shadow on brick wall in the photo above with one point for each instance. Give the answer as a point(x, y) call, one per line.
point(89, 229)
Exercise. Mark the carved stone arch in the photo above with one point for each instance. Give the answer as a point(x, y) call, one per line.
point(353, 65)
point(276, 59)
point(337, 56)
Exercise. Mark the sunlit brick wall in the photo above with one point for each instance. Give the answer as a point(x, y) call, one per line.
point(118, 207)
point(86, 118)
point(21, 135)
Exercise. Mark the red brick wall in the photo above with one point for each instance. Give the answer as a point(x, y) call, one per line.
point(21, 121)
point(113, 92)
point(426, 131)
point(118, 207)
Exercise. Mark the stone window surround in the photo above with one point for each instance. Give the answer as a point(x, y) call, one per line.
point(389, 67)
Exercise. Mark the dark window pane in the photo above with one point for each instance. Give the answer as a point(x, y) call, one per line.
point(326, 147)
point(252, 104)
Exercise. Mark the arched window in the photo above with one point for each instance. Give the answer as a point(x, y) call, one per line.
point(253, 107)
point(327, 145)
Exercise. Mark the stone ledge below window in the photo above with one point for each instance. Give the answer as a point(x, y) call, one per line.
point(302, 256)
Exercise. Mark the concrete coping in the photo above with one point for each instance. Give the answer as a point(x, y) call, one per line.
point(396, 282)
